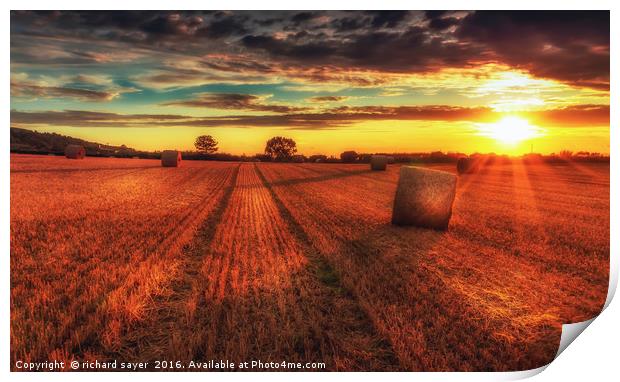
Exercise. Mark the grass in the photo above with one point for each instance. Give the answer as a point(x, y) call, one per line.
point(123, 259)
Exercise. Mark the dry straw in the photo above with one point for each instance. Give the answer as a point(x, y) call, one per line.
point(424, 198)
point(171, 158)
point(378, 162)
point(75, 152)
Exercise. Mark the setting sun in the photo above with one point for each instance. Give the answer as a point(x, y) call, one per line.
point(510, 130)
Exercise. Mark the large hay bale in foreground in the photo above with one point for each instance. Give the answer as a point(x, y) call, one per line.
point(467, 165)
point(424, 198)
point(171, 158)
point(378, 162)
point(75, 152)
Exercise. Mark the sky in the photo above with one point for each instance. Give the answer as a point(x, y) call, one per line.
point(372, 81)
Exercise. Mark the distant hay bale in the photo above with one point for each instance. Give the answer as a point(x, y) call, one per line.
point(75, 152)
point(378, 162)
point(171, 158)
point(466, 165)
point(424, 198)
point(391, 160)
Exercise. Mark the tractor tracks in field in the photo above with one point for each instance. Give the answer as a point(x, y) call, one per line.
point(150, 340)
point(251, 286)
point(134, 284)
point(317, 179)
point(320, 267)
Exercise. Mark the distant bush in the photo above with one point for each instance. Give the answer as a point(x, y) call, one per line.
point(318, 158)
point(364, 158)
point(348, 157)
point(298, 159)
point(262, 157)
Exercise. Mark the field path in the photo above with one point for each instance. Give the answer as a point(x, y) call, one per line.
point(253, 289)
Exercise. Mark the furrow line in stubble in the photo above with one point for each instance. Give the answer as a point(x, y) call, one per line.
point(148, 340)
point(319, 266)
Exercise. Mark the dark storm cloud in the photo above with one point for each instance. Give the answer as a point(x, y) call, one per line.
point(570, 46)
point(411, 50)
point(37, 91)
point(302, 17)
point(235, 66)
point(577, 116)
point(172, 24)
point(441, 24)
point(228, 101)
point(289, 48)
point(424, 113)
point(435, 14)
point(341, 116)
point(347, 24)
point(225, 27)
point(79, 118)
point(387, 19)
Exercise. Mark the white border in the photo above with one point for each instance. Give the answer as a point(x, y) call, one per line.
point(592, 357)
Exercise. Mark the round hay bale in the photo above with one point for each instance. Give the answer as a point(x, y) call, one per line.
point(378, 162)
point(391, 160)
point(466, 165)
point(75, 152)
point(171, 158)
point(424, 198)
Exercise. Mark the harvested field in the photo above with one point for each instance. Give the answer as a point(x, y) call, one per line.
point(90, 249)
point(123, 259)
point(527, 250)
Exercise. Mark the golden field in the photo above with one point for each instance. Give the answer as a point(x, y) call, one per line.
point(123, 259)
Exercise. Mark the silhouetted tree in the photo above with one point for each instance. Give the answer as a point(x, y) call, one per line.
point(281, 148)
point(348, 156)
point(206, 144)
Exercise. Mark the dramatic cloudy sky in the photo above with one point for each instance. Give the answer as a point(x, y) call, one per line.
point(368, 81)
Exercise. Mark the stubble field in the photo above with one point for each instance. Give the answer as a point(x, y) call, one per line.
point(123, 259)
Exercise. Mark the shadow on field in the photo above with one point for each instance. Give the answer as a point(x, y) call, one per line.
point(377, 176)
point(322, 178)
point(266, 324)
point(409, 284)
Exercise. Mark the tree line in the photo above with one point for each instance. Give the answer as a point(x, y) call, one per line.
point(277, 149)
point(283, 149)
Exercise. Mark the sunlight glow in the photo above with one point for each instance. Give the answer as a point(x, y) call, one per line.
point(510, 130)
